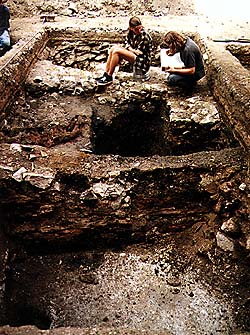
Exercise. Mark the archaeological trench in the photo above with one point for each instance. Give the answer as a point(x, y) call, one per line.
point(124, 209)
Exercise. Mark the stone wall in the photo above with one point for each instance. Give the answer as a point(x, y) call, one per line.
point(84, 48)
point(15, 66)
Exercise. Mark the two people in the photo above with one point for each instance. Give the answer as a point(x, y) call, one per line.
point(138, 49)
point(4, 26)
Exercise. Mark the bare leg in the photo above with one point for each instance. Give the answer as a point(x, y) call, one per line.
point(109, 58)
point(116, 54)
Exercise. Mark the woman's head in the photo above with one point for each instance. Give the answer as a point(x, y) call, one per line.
point(135, 24)
point(174, 41)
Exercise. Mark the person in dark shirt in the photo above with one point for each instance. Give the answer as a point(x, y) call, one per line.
point(191, 57)
point(4, 25)
point(137, 51)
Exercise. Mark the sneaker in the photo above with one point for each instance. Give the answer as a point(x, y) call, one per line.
point(98, 78)
point(105, 80)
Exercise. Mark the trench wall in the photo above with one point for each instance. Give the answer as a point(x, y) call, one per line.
point(230, 85)
point(241, 52)
point(77, 196)
point(15, 66)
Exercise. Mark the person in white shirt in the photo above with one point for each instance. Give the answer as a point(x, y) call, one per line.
point(4, 25)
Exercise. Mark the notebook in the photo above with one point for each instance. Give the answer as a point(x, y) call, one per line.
point(171, 61)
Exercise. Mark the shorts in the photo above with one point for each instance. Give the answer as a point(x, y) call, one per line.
point(5, 39)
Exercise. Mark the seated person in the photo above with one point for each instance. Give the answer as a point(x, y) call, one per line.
point(4, 26)
point(190, 55)
point(137, 51)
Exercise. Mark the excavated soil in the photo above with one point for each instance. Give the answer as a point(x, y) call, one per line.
point(163, 278)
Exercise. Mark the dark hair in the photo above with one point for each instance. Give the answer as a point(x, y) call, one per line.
point(175, 41)
point(134, 22)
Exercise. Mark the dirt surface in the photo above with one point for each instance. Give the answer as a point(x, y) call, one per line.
point(186, 15)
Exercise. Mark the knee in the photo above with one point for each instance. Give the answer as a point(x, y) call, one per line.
point(171, 79)
point(114, 49)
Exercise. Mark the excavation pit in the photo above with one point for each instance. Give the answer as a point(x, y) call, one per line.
point(137, 122)
point(241, 52)
point(114, 203)
point(61, 103)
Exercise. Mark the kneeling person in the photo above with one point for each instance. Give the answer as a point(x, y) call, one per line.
point(191, 56)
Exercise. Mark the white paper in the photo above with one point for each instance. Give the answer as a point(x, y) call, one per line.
point(171, 61)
